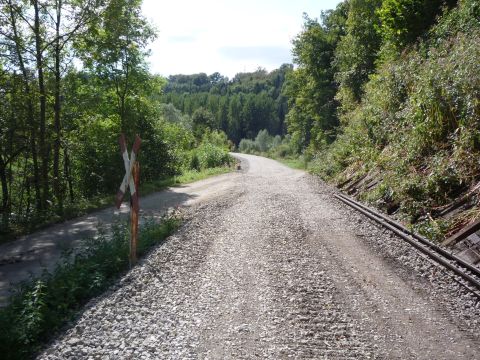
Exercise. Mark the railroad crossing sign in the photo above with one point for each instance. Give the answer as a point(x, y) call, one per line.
point(130, 181)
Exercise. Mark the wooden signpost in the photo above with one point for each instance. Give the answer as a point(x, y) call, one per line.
point(130, 181)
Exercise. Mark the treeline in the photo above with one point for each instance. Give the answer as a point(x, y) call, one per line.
point(390, 88)
point(73, 76)
point(240, 107)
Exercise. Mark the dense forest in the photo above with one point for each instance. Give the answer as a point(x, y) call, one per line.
point(240, 107)
point(73, 76)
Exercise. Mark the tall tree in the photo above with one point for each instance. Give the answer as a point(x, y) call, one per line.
point(14, 21)
point(357, 51)
point(311, 87)
point(118, 45)
point(402, 22)
point(38, 32)
point(77, 15)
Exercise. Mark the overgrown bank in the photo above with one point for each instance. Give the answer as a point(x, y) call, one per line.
point(403, 80)
point(416, 132)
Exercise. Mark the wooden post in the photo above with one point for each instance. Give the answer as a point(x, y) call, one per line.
point(462, 234)
point(134, 209)
point(130, 181)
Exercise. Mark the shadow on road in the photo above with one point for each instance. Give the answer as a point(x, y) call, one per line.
point(31, 254)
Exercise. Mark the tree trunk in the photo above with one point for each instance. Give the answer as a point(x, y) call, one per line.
point(30, 112)
point(57, 188)
point(36, 170)
point(122, 114)
point(5, 196)
point(20, 210)
point(122, 93)
point(68, 175)
point(43, 106)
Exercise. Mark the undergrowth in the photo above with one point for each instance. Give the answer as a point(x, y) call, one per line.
point(417, 128)
point(293, 162)
point(276, 147)
point(42, 305)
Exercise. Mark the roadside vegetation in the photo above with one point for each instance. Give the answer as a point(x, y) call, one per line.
point(388, 91)
point(73, 76)
point(42, 306)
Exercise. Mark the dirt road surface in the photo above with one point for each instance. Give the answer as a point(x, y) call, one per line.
point(270, 266)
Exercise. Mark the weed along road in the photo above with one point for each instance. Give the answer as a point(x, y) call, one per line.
point(268, 264)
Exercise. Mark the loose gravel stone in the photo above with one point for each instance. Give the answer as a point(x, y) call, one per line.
point(277, 269)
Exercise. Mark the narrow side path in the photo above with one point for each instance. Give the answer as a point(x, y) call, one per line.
point(32, 253)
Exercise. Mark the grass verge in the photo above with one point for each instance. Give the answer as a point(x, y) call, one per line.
point(41, 306)
point(185, 178)
point(294, 163)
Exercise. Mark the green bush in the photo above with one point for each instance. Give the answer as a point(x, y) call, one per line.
point(211, 156)
point(282, 150)
point(212, 152)
point(217, 138)
point(248, 146)
point(263, 140)
point(267, 145)
point(194, 161)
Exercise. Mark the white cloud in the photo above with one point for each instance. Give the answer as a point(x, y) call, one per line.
point(226, 36)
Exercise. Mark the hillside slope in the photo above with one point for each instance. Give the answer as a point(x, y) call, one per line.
point(411, 143)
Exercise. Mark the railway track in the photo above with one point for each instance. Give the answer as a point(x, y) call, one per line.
point(463, 272)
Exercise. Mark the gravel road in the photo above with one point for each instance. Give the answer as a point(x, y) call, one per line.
point(277, 268)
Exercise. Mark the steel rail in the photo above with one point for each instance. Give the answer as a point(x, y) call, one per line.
point(405, 234)
point(423, 240)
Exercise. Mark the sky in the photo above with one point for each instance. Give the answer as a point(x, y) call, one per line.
point(228, 36)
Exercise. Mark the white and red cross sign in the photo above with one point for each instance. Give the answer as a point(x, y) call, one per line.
point(128, 179)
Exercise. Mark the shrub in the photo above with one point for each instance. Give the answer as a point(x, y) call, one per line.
point(282, 150)
point(276, 141)
point(194, 161)
point(263, 140)
point(419, 120)
point(248, 146)
point(217, 138)
point(210, 156)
